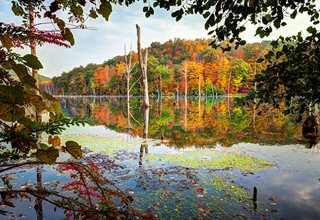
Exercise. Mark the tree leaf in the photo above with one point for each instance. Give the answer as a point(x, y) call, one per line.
point(23, 74)
point(11, 112)
point(277, 23)
point(26, 122)
point(311, 30)
point(12, 95)
point(260, 60)
point(37, 102)
point(17, 10)
point(49, 97)
point(76, 9)
point(278, 54)
point(74, 149)
point(69, 36)
point(56, 107)
point(56, 142)
point(48, 156)
point(93, 14)
point(293, 14)
point(105, 9)
point(50, 138)
point(32, 61)
point(44, 146)
point(6, 41)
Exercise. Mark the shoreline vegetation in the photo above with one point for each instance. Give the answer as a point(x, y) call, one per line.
point(151, 96)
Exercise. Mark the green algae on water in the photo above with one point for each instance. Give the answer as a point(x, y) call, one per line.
point(214, 160)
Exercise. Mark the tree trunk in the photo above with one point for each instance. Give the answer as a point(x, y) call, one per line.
point(146, 124)
point(185, 113)
point(160, 85)
point(185, 83)
point(199, 85)
point(229, 83)
point(178, 95)
point(254, 75)
point(128, 76)
point(33, 45)
point(199, 106)
point(128, 111)
point(128, 90)
point(143, 68)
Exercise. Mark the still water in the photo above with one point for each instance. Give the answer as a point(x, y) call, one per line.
point(189, 159)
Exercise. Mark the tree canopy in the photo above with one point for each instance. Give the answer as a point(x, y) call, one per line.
point(166, 65)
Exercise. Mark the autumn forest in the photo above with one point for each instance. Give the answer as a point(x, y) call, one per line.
point(209, 71)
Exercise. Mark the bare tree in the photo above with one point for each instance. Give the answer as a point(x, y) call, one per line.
point(128, 76)
point(143, 63)
point(185, 94)
point(185, 73)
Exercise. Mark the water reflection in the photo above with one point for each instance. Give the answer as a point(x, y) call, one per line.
point(38, 204)
point(144, 145)
point(202, 122)
point(189, 183)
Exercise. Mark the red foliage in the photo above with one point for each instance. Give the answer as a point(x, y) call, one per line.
point(93, 166)
point(22, 37)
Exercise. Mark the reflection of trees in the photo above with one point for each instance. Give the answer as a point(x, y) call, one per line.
point(38, 207)
point(88, 193)
point(144, 146)
point(213, 126)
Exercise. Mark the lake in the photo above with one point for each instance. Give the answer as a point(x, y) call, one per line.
point(185, 159)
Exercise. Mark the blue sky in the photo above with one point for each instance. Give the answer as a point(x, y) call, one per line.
point(109, 38)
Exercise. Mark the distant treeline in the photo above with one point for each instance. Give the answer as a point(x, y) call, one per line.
point(208, 70)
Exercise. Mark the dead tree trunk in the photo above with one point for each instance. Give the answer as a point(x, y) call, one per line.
point(185, 95)
point(160, 79)
point(185, 82)
point(128, 76)
point(143, 68)
point(199, 85)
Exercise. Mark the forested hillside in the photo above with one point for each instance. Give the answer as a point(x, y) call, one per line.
point(46, 84)
point(207, 69)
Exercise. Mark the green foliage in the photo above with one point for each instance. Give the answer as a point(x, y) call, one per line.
point(239, 71)
point(226, 19)
point(32, 61)
point(292, 75)
point(21, 105)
